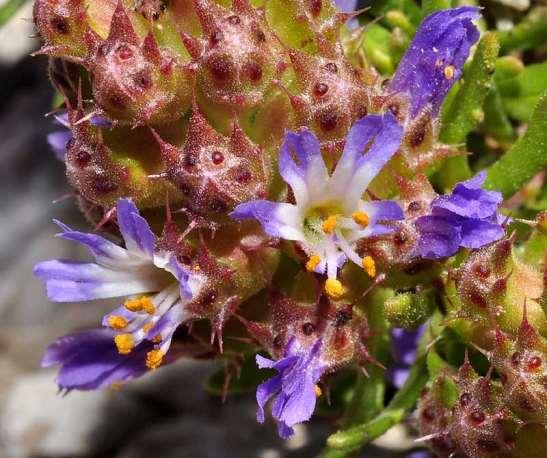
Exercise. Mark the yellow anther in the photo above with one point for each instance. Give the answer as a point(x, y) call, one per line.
point(125, 343)
point(157, 339)
point(334, 288)
point(154, 359)
point(147, 327)
point(117, 322)
point(369, 265)
point(361, 218)
point(330, 224)
point(142, 304)
point(318, 391)
point(313, 262)
point(449, 72)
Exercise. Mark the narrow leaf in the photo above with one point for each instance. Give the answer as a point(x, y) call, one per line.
point(526, 157)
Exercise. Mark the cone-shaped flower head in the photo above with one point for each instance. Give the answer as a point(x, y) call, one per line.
point(137, 334)
point(329, 215)
point(434, 59)
point(294, 387)
point(468, 217)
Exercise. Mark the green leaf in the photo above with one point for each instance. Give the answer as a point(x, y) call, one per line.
point(526, 157)
point(9, 9)
point(520, 94)
point(377, 48)
point(435, 364)
point(530, 33)
point(430, 6)
point(465, 111)
point(402, 402)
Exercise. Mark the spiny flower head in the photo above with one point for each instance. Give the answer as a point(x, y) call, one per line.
point(137, 82)
point(157, 288)
point(62, 25)
point(215, 172)
point(333, 96)
point(521, 362)
point(329, 215)
point(237, 58)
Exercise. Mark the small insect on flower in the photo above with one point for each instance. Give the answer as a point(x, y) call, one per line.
point(136, 335)
point(330, 216)
point(294, 387)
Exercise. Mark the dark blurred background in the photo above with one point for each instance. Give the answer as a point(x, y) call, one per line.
point(165, 414)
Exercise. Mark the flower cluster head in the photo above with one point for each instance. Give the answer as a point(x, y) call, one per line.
point(468, 218)
point(290, 161)
point(135, 336)
point(329, 215)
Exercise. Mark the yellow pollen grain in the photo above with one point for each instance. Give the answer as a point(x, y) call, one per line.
point(147, 327)
point(157, 339)
point(313, 262)
point(125, 343)
point(142, 304)
point(117, 322)
point(154, 359)
point(330, 224)
point(116, 386)
point(369, 266)
point(449, 72)
point(318, 391)
point(334, 288)
point(361, 218)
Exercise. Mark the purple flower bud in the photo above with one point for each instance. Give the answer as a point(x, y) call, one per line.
point(434, 60)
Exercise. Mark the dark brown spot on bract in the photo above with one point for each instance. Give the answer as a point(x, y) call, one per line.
point(328, 121)
point(124, 52)
point(60, 25)
point(308, 329)
point(465, 399)
point(104, 184)
point(209, 298)
point(143, 79)
point(217, 157)
point(477, 417)
point(428, 414)
point(218, 206)
point(254, 70)
point(414, 206)
point(243, 175)
point(416, 136)
point(82, 157)
point(331, 67)
point(315, 7)
point(320, 89)
point(481, 270)
point(216, 37)
point(220, 69)
point(234, 20)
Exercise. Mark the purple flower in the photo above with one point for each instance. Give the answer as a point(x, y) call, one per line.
point(434, 59)
point(136, 335)
point(404, 344)
point(466, 218)
point(58, 140)
point(330, 216)
point(294, 387)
